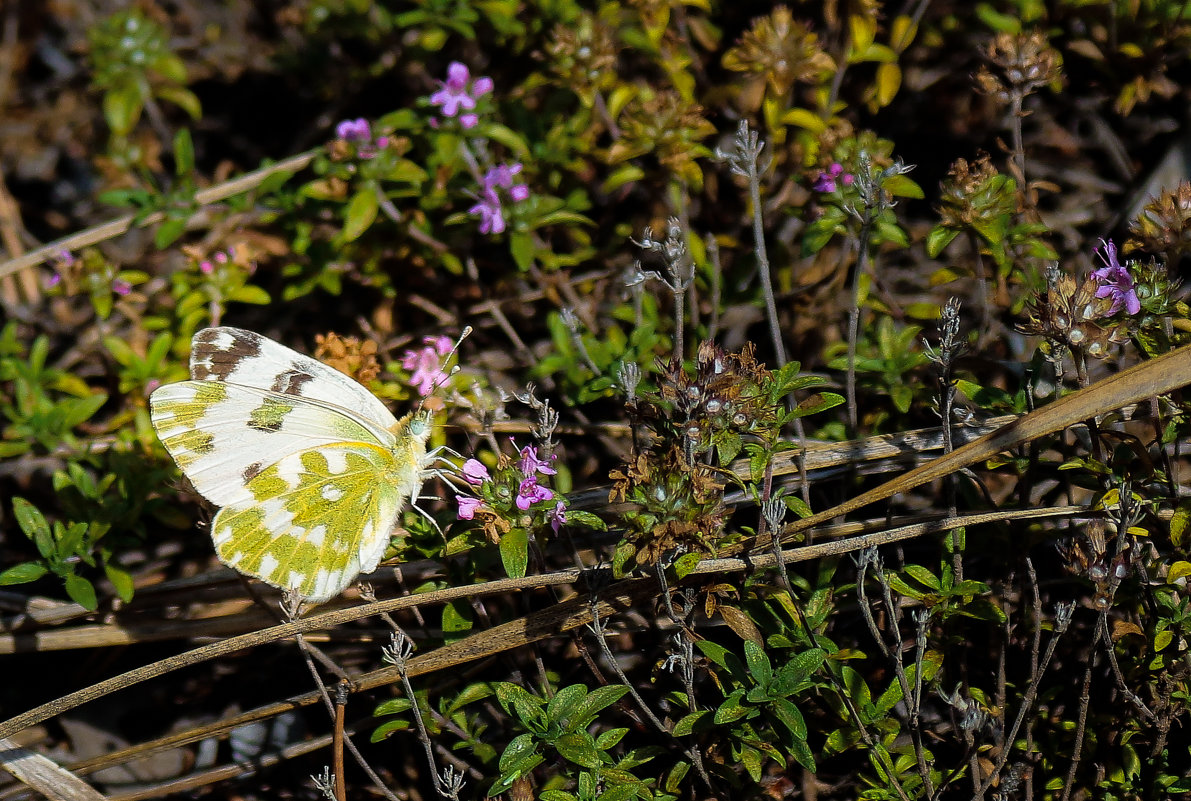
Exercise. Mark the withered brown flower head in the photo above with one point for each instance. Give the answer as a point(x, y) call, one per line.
point(348, 355)
point(972, 193)
point(583, 54)
point(778, 51)
point(1164, 226)
point(1070, 315)
point(1019, 64)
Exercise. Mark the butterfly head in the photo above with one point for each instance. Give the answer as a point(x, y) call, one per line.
point(415, 426)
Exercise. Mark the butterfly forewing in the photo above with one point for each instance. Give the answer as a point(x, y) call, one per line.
point(221, 435)
point(316, 519)
point(242, 357)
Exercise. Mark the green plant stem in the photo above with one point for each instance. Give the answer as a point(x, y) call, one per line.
point(854, 316)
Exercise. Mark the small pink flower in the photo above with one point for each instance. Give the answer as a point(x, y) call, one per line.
point(453, 96)
point(53, 280)
point(530, 491)
point(467, 121)
point(152, 384)
point(492, 218)
point(489, 208)
point(65, 258)
point(357, 130)
point(1115, 281)
point(468, 506)
point(206, 267)
point(475, 473)
point(531, 464)
point(221, 257)
point(382, 142)
point(558, 517)
point(426, 364)
point(826, 181)
point(121, 287)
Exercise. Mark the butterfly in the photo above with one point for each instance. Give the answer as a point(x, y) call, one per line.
point(310, 469)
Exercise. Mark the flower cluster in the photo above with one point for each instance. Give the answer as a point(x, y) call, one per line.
point(90, 273)
point(497, 181)
point(459, 93)
point(826, 181)
point(427, 365)
point(515, 492)
point(1115, 282)
point(358, 133)
point(1077, 315)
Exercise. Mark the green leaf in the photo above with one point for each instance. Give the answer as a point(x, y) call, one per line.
point(598, 699)
point(790, 717)
point(30, 518)
point(731, 709)
point(182, 98)
point(514, 552)
point(122, 108)
point(168, 232)
point(183, 153)
point(121, 580)
point(521, 248)
point(360, 213)
point(250, 294)
point(924, 577)
point(81, 410)
point(689, 723)
point(456, 619)
point(609, 739)
point(564, 702)
point(393, 706)
point(758, 663)
point(578, 747)
point(22, 573)
point(518, 749)
point(82, 592)
point(388, 727)
point(588, 519)
point(684, 564)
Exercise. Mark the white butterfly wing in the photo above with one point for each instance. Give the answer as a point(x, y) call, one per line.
point(314, 521)
point(242, 357)
point(222, 435)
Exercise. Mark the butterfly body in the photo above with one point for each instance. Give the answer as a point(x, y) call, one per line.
point(311, 470)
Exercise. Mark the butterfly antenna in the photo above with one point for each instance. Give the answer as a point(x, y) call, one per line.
point(447, 375)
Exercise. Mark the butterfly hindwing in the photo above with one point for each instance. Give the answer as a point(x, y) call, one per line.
point(315, 520)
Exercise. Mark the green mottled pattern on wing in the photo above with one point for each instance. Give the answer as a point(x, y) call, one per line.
point(315, 519)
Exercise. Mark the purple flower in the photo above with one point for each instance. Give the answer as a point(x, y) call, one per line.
point(558, 517)
point(530, 492)
point(206, 267)
point(827, 180)
point(221, 257)
point(468, 506)
point(357, 130)
point(121, 287)
point(475, 473)
point(469, 120)
point(492, 219)
point(489, 209)
point(531, 464)
point(426, 364)
point(53, 280)
point(459, 92)
point(1115, 281)
point(65, 258)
